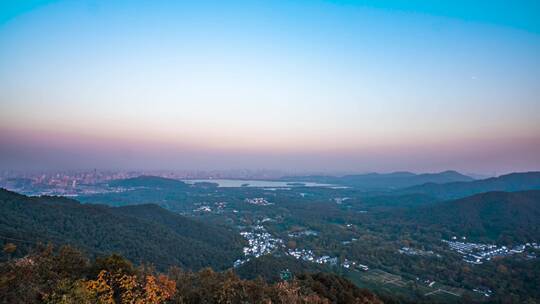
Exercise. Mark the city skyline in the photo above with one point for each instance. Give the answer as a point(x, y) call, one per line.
point(314, 86)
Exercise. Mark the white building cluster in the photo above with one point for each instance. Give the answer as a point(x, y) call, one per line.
point(477, 253)
point(203, 209)
point(260, 243)
point(259, 201)
point(302, 254)
point(419, 252)
point(217, 207)
point(308, 256)
point(340, 200)
point(302, 233)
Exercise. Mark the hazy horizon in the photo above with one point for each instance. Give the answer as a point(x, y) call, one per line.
point(234, 173)
point(303, 86)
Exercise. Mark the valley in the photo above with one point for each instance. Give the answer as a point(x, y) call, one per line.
point(405, 247)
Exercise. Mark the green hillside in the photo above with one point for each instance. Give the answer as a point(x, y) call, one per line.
point(508, 183)
point(510, 217)
point(142, 233)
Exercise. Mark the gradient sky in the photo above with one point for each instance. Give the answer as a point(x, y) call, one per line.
point(290, 85)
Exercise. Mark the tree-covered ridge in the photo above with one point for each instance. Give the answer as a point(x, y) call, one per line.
point(509, 183)
point(68, 276)
point(379, 181)
point(136, 232)
point(219, 236)
point(144, 189)
point(148, 181)
point(507, 217)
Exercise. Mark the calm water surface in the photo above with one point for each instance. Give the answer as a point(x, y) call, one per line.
point(231, 183)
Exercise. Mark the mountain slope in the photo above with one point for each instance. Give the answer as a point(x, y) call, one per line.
point(165, 192)
point(378, 181)
point(508, 217)
point(180, 224)
point(509, 182)
point(130, 231)
point(147, 181)
point(404, 179)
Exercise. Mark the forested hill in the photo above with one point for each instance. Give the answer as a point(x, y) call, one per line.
point(182, 225)
point(142, 233)
point(508, 183)
point(378, 181)
point(403, 179)
point(508, 217)
point(148, 181)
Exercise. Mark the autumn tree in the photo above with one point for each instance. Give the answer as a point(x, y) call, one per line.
point(9, 249)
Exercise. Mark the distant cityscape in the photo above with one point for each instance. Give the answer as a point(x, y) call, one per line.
point(83, 182)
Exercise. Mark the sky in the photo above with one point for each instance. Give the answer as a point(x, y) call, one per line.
point(324, 86)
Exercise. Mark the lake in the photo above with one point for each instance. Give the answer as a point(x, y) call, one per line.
point(233, 183)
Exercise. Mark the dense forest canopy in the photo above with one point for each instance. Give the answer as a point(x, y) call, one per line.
point(143, 233)
point(66, 275)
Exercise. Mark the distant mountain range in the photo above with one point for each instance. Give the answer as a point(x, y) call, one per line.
point(378, 181)
point(509, 182)
point(142, 233)
point(508, 217)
